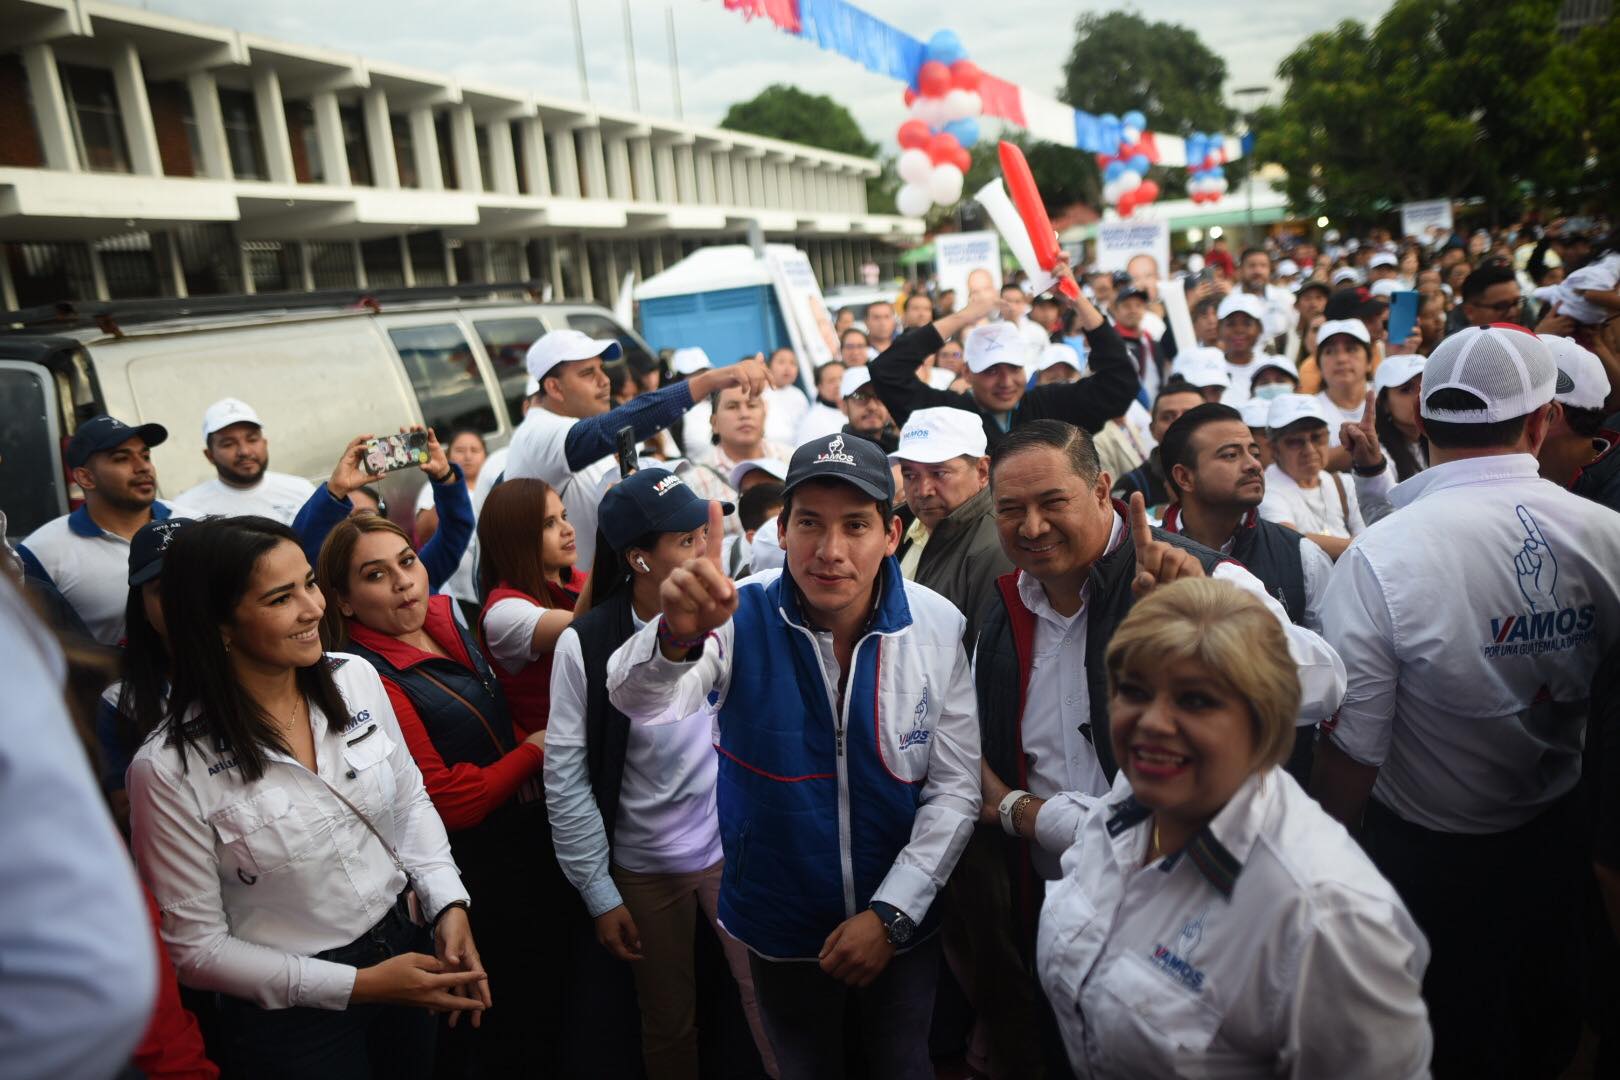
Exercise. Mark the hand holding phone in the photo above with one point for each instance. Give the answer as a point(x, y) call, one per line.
point(390, 453)
point(1403, 313)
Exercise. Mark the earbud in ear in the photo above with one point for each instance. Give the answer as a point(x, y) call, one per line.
point(645, 569)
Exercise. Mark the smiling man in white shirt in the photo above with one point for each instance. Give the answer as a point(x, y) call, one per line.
point(234, 444)
point(1473, 621)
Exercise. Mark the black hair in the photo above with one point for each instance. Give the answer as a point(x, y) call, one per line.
point(753, 505)
point(1208, 303)
point(1450, 435)
point(1253, 251)
point(143, 674)
point(1393, 440)
point(457, 433)
point(610, 569)
point(885, 507)
point(371, 489)
point(1586, 422)
point(848, 330)
point(619, 376)
point(1176, 446)
point(205, 575)
point(1488, 274)
point(1050, 435)
point(1175, 384)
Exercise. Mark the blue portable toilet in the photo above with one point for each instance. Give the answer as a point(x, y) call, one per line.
point(722, 299)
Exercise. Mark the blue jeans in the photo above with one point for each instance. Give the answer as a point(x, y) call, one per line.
point(357, 1043)
point(803, 1010)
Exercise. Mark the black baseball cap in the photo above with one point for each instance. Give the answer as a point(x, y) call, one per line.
point(651, 501)
point(104, 433)
point(1316, 284)
point(147, 546)
point(854, 460)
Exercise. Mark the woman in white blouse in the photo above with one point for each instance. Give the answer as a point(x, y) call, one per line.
point(1212, 920)
point(283, 828)
point(1301, 492)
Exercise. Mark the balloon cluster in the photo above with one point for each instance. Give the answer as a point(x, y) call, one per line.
point(1125, 182)
point(945, 106)
point(1206, 180)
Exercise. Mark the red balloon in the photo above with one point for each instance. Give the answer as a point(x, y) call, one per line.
point(914, 135)
point(1103, 160)
point(1126, 204)
point(911, 97)
point(933, 79)
point(965, 75)
point(1147, 191)
point(942, 148)
point(963, 160)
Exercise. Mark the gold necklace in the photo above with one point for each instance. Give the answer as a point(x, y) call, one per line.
point(1155, 851)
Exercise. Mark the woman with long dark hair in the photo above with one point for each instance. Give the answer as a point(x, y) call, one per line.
point(633, 805)
point(280, 822)
point(484, 780)
point(1399, 385)
point(530, 587)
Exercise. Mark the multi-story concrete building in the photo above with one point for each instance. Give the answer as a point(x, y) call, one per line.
point(145, 155)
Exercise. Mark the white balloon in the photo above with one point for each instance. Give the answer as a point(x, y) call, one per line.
point(975, 102)
point(930, 111)
point(958, 105)
point(1111, 192)
point(1132, 135)
point(914, 166)
point(913, 200)
point(1129, 181)
point(945, 185)
point(1220, 185)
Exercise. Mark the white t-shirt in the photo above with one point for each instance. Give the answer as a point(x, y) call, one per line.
point(1312, 510)
point(509, 632)
point(1240, 374)
point(819, 422)
point(697, 433)
point(463, 584)
point(1351, 415)
point(784, 408)
point(276, 495)
point(537, 451)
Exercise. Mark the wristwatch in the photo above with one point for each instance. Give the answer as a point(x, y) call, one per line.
point(897, 922)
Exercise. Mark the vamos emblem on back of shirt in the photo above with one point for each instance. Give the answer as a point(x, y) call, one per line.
point(1547, 626)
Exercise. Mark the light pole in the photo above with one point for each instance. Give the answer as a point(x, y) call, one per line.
point(1250, 92)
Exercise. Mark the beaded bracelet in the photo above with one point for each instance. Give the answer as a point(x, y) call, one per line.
point(668, 638)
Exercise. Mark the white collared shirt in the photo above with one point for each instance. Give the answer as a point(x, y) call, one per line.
point(254, 878)
point(1269, 946)
point(278, 496)
point(89, 566)
point(1471, 661)
point(1313, 510)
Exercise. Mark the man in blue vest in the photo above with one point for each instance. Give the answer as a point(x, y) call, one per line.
point(849, 759)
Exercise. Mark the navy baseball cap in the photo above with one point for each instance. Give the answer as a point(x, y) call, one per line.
point(651, 501)
point(849, 458)
point(147, 546)
point(104, 433)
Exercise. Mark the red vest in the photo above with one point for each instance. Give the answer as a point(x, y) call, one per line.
point(528, 693)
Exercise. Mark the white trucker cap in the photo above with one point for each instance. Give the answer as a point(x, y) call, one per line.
point(1505, 366)
point(225, 412)
point(1582, 382)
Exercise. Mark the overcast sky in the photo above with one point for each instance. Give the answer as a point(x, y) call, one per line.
point(723, 59)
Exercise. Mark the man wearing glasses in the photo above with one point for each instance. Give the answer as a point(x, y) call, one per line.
point(1491, 295)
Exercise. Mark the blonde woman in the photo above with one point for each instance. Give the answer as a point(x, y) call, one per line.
point(1212, 919)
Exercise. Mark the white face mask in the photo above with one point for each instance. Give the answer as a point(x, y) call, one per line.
point(1271, 390)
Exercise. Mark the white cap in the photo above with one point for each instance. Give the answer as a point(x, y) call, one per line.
point(854, 378)
point(1287, 268)
point(1035, 337)
point(1354, 327)
point(940, 434)
point(561, 346)
point(1383, 258)
point(1237, 300)
point(1385, 287)
point(1272, 360)
point(1255, 412)
point(1398, 370)
point(1582, 382)
point(1346, 274)
point(1578, 307)
point(531, 386)
point(689, 361)
point(995, 343)
point(1201, 366)
point(763, 464)
point(1291, 408)
point(1059, 353)
point(1511, 370)
point(225, 412)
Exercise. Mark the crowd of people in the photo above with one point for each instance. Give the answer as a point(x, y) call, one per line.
point(1029, 688)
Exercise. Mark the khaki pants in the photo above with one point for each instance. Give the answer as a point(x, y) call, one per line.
point(665, 908)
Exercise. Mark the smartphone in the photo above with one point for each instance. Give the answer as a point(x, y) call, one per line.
point(393, 452)
point(625, 450)
point(1403, 313)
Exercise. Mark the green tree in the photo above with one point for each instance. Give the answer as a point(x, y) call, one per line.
point(1063, 175)
point(1120, 62)
point(785, 112)
point(1440, 98)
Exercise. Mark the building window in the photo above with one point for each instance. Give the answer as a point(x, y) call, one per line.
point(354, 144)
point(481, 138)
point(515, 132)
point(426, 250)
point(331, 264)
point(404, 150)
point(21, 145)
point(242, 134)
point(384, 263)
point(447, 159)
point(98, 125)
point(129, 267)
point(176, 127)
point(304, 137)
point(273, 265)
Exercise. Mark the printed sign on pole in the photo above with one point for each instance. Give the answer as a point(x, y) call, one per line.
point(1119, 241)
point(1419, 218)
point(968, 262)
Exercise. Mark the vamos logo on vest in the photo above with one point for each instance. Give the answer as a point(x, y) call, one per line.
point(1548, 626)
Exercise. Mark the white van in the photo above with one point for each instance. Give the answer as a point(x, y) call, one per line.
point(317, 371)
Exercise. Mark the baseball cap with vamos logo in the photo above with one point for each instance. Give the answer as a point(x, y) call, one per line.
point(651, 501)
point(851, 459)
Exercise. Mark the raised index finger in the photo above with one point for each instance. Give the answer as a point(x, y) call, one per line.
point(716, 538)
point(1141, 528)
point(1368, 412)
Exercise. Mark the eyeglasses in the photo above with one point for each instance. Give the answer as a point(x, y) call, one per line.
point(1501, 307)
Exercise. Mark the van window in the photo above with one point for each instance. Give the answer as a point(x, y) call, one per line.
point(507, 341)
point(600, 326)
point(444, 373)
point(28, 468)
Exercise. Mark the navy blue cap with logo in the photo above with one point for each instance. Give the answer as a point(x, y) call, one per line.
point(651, 501)
point(147, 546)
point(106, 433)
point(848, 458)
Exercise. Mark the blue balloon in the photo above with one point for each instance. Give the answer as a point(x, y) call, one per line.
point(966, 131)
point(1134, 119)
point(1197, 146)
point(1114, 171)
point(1218, 173)
point(1140, 163)
point(946, 47)
point(1109, 124)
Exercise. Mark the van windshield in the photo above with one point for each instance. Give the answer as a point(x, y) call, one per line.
point(26, 453)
